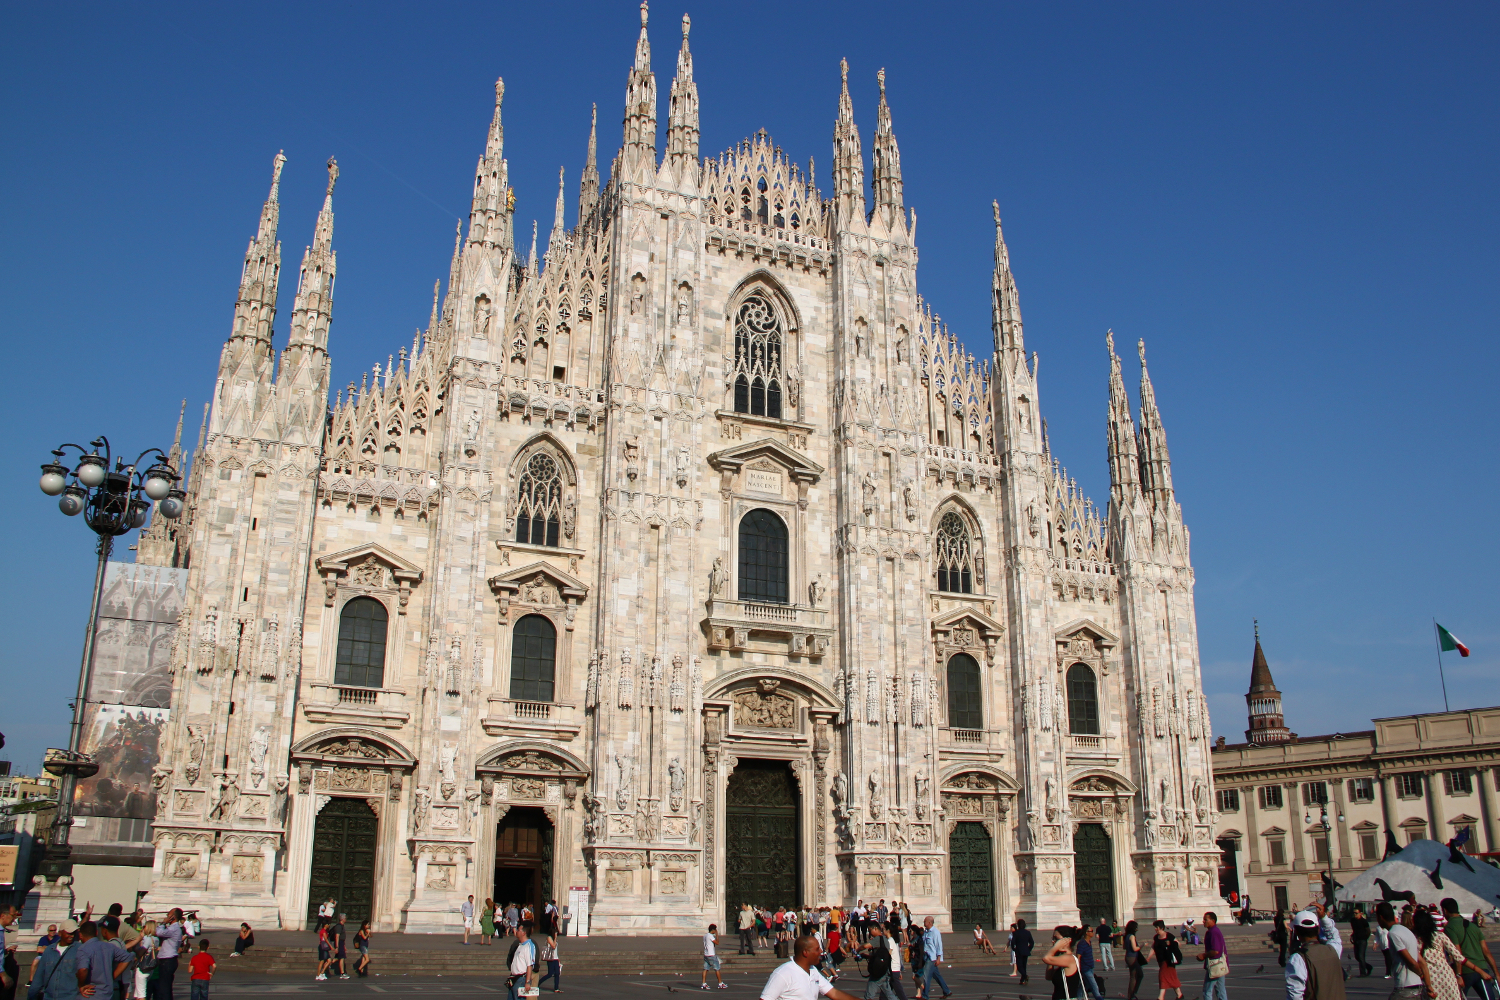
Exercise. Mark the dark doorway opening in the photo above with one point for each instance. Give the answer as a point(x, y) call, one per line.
point(343, 860)
point(1229, 869)
point(762, 844)
point(971, 876)
point(1093, 854)
point(523, 859)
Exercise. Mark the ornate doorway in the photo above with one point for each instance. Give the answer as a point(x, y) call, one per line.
point(1093, 854)
point(523, 858)
point(971, 876)
point(343, 859)
point(762, 846)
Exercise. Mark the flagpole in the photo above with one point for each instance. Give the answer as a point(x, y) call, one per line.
point(1439, 640)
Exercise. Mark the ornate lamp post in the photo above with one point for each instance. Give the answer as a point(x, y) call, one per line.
point(112, 502)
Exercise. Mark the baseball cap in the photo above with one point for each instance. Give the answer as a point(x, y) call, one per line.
point(70, 925)
point(1306, 920)
point(110, 923)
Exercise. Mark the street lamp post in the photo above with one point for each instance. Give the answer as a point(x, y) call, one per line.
point(1327, 826)
point(113, 502)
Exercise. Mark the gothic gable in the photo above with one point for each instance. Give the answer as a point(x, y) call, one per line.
point(732, 460)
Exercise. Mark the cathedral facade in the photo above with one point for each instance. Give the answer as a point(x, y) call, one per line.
point(692, 562)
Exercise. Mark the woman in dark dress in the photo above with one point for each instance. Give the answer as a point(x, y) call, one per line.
point(1166, 961)
point(1134, 960)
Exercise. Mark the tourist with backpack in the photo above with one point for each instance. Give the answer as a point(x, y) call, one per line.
point(1168, 957)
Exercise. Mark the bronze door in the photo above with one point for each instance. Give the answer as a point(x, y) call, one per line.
point(762, 847)
point(1093, 856)
point(343, 860)
point(971, 876)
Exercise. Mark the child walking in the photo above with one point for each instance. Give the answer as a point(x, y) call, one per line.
point(711, 957)
point(203, 970)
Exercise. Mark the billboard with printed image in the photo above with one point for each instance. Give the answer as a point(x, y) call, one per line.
point(125, 742)
point(137, 629)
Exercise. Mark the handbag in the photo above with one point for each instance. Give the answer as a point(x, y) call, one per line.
point(1218, 967)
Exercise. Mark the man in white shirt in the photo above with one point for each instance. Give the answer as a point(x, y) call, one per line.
point(467, 909)
point(521, 962)
point(1409, 985)
point(798, 980)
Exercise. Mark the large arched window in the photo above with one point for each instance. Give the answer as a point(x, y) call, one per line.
point(1083, 701)
point(758, 378)
point(539, 501)
point(361, 657)
point(763, 557)
point(533, 659)
point(965, 702)
point(954, 555)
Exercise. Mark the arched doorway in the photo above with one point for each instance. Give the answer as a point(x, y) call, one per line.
point(762, 845)
point(523, 858)
point(343, 859)
point(971, 876)
point(1093, 856)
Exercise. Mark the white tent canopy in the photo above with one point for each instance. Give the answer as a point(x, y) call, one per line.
point(1473, 890)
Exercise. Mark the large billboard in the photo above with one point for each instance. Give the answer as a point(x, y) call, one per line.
point(124, 741)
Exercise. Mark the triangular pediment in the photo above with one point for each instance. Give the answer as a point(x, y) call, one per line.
point(1092, 629)
point(1463, 819)
point(971, 617)
point(1274, 831)
point(799, 465)
point(339, 562)
point(514, 579)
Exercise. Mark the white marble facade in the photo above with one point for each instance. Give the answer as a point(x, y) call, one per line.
point(570, 438)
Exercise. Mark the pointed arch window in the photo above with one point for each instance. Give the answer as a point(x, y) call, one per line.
point(361, 653)
point(758, 377)
point(1083, 701)
point(954, 555)
point(539, 502)
point(533, 659)
point(965, 700)
point(763, 557)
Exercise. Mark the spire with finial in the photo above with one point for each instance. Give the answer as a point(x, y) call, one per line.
point(255, 307)
point(640, 111)
point(588, 185)
point(1006, 300)
point(557, 239)
point(886, 179)
point(1267, 724)
point(848, 159)
point(1124, 470)
point(489, 214)
point(531, 258)
point(682, 116)
point(312, 310)
point(1156, 464)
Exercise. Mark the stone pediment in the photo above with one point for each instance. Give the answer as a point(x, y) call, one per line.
point(1085, 640)
point(349, 744)
point(967, 617)
point(349, 561)
point(801, 468)
point(534, 576)
point(1089, 628)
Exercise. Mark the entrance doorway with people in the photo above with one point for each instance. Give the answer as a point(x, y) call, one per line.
point(523, 858)
point(343, 859)
point(762, 844)
point(971, 875)
point(1093, 854)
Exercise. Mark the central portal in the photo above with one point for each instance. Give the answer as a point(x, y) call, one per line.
point(763, 846)
point(1093, 858)
point(523, 859)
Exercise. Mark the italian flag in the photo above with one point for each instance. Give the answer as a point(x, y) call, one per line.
point(1446, 641)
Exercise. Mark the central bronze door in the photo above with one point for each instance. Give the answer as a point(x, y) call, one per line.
point(343, 860)
point(1093, 855)
point(971, 876)
point(763, 850)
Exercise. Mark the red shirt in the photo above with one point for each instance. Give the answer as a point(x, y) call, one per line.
point(202, 965)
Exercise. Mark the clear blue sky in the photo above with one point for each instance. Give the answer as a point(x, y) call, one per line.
point(1294, 204)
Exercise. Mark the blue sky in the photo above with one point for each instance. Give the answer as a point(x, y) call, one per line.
point(1294, 204)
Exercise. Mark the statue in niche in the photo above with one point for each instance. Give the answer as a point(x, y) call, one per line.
point(1031, 838)
point(593, 816)
point(1198, 806)
point(840, 793)
point(908, 496)
point(717, 577)
point(876, 807)
point(482, 317)
point(1050, 800)
point(421, 801)
point(684, 305)
point(569, 515)
point(815, 592)
point(902, 354)
point(868, 488)
point(471, 426)
point(676, 780)
point(920, 780)
point(637, 295)
point(684, 458)
point(228, 795)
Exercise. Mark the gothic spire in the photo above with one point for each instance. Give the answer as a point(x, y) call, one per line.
point(848, 160)
point(1007, 301)
point(1156, 464)
point(531, 258)
point(558, 235)
point(682, 120)
point(489, 215)
point(312, 310)
point(887, 166)
point(640, 111)
point(455, 268)
point(588, 185)
point(174, 457)
point(1124, 469)
point(255, 307)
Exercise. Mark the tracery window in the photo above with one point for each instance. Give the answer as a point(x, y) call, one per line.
point(763, 557)
point(361, 652)
point(965, 700)
point(539, 501)
point(1083, 701)
point(533, 659)
point(757, 358)
point(954, 556)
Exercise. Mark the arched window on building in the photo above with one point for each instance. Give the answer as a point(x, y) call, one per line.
point(758, 377)
point(763, 557)
point(533, 659)
point(539, 501)
point(1083, 701)
point(361, 655)
point(965, 700)
point(954, 555)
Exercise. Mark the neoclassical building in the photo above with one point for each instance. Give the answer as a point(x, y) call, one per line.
point(691, 562)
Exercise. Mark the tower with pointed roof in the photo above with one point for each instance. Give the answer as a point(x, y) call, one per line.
point(1267, 725)
point(694, 537)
